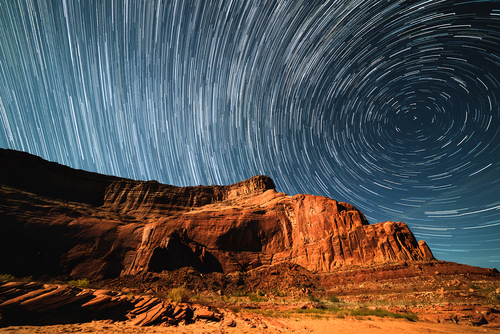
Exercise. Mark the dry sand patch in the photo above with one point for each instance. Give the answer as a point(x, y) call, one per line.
point(251, 324)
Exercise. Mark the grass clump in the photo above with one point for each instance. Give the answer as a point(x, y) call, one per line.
point(334, 299)
point(313, 298)
point(383, 313)
point(4, 278)
point(311, 311)
point(256, 297)
point(362, 312)
point(179, 295)
point(238, 294)
point(81, 283)
point(278, 293)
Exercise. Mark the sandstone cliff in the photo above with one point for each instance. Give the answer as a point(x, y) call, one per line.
point(55, 220)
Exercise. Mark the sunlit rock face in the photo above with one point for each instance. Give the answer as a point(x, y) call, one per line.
point(58, 221)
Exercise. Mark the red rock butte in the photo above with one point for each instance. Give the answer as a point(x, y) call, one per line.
point(60, 221)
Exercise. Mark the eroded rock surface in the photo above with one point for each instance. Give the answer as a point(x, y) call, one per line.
point(59, 221)
point(34, 303)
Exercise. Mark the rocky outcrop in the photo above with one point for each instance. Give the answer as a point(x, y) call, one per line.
point(59, 221)
point(24, 303)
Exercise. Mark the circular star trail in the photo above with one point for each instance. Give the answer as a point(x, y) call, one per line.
point(392, 106)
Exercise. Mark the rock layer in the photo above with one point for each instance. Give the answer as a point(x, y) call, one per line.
point(60, 221)
point(33, 303)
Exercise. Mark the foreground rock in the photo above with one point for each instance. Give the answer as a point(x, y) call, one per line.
point(58, 221)
point(37, 304)
point(435, 292)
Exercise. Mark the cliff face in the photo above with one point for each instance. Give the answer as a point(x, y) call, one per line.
point(55, 220)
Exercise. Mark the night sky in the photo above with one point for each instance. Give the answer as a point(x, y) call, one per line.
point(392, 106)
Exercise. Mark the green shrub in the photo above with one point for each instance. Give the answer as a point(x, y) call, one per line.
point(81, 283)
point(383, 313)
point(334, 299)
point(180, 294)
point(312, 298)
point(238, 294)
point(4, 278)
point(256, 297)
point(278, 293)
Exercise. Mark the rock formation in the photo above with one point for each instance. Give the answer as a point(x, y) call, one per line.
point(34, 303)
point(55, 220)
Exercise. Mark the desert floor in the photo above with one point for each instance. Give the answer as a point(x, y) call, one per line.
point(436, 303)
point(260, 324)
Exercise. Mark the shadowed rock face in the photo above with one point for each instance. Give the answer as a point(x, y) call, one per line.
point(55, 220)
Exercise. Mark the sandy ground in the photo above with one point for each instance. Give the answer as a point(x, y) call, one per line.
point(300, 324)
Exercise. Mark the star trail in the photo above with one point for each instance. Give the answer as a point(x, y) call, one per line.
point(392, 106)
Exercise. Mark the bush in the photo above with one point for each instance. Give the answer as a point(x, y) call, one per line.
point(312, 298)
point(311, 310)
point(255, 297)
point(238, 294)
point(81, 283)
point(180, 294)
point(334, 299)
point(4, 278)
point(278, 293)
